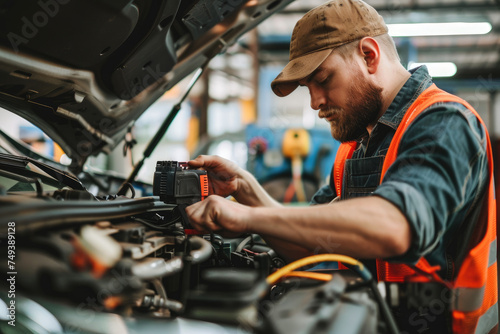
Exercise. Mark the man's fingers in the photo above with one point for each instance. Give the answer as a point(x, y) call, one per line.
point(193, 212)
point(200, 216)
point(208, 161)
point(198, 162)
point(212, 226)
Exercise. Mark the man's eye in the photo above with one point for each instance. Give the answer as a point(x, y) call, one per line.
point(323, 81)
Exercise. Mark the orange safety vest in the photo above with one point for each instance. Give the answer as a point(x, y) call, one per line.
point(474, 302)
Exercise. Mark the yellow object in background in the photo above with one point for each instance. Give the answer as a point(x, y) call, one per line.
point(193, 134)
point(296, 146)
point(58, 152)
point(248, 111)
point(296, 142)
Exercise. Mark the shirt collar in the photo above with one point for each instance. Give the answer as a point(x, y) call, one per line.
point(413, 87)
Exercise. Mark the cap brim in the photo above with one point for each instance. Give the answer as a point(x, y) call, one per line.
point(297, 69)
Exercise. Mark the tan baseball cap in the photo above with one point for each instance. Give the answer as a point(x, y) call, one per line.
point(321, 30)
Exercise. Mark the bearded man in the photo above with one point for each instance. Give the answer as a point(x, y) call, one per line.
point(412, 178)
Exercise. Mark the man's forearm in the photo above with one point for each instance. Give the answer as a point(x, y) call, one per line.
point(362, 228)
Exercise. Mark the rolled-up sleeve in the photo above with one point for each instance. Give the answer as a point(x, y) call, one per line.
point(325, 194)
point(440, 171)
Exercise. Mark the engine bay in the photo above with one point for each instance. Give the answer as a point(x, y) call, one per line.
point(78, 263)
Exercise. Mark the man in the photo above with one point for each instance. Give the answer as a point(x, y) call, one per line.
point(415, 185)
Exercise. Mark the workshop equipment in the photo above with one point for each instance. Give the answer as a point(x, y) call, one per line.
point(274, 172)
point(296, 146)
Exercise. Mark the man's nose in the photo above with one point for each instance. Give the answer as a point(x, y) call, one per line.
point(317, 98)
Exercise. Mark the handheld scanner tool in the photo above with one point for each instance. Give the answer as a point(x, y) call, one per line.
point(175, 184)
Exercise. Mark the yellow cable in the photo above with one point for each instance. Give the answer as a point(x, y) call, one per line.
point(311, 275)
point(276, 276)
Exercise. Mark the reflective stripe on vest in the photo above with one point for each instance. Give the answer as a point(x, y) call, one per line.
point(488, 320)
point(470, 299)
point(474, 304)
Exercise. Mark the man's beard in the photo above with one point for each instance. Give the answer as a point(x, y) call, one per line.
point(363, 107)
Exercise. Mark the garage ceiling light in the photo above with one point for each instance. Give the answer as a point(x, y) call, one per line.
point(438, 69)
point(439, 29)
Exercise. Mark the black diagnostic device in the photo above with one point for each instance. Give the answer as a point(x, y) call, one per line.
point(174, 183)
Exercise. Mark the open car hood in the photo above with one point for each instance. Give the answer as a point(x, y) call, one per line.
point(84, 70)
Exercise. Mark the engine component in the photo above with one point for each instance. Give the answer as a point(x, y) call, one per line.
point(152, 268)
point(328, 308)
point(227, 295)
point(202, 250)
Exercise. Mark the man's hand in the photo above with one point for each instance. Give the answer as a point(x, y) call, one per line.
point(226, 178)
point(217, 213)
point(223, 175)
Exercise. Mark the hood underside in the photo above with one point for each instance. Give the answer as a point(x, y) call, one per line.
point(84, 70)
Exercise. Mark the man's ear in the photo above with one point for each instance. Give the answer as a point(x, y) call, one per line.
point(370, 50)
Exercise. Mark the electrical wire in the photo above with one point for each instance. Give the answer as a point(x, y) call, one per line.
point(310, 275)
point(123, 191)
point(242, 244)
point(356, 266)
point(250, 252)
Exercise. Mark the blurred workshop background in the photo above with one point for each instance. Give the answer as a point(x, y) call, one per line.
point(233, 113)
